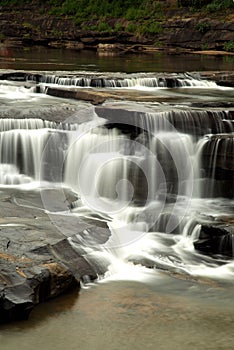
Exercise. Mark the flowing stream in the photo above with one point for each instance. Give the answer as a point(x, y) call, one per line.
point(155, 173)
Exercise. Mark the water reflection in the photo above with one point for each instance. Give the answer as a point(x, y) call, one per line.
point(40, 58)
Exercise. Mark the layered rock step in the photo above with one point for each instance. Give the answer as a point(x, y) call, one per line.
point(38, 261)
point(217, 165)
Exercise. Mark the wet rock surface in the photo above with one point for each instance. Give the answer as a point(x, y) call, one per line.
point(170, 80)
point(216, 240)
point(221, 78)
point(218, 165)
point(37, 261)
point(193, 122)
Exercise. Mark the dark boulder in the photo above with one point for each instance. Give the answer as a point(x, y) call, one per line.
point(25, 283)
point(216, 240)
point(217, 161)
point(37, 261)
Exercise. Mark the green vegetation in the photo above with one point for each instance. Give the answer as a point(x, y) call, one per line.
point(150, 28)
point(129, 9)
point(13, 2)
point(27, 25)
point(229, 46)
point(203, 27)
point(193, 3)
point(136, 16)
point(141, 17)
point(228, 59)
point(131, 27)
point(26, 36)
point(56, 33)
point(104, 27)
point(210, 5)
point(89, 9)
point(204, 47)
point(118, 27)
point(217, 5)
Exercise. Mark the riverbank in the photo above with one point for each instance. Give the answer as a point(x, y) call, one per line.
point(178, 30)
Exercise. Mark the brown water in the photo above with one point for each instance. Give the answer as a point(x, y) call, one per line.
point(164, 314)
point(39, 58)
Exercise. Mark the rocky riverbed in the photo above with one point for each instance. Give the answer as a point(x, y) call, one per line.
point(43, 248)
point(37, 261)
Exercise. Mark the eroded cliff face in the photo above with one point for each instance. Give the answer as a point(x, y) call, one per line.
point(199, 33)
point(30, 25)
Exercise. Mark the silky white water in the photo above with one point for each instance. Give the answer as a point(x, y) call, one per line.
point(150, 188)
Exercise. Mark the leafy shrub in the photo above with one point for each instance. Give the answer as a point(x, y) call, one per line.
point(70, 7)
point(211, 5)
point(151, 28)
point(118, 27)
point(193, 3)
point(104, 27)
point(217, 5)
point(229, 46)
point(134, 13)
point(131, 27)
point(89, 27)
point(203, 27)
point(204, 47)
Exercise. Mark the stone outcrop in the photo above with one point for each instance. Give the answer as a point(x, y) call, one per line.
point(217, 240)
point(89, 96)
point(24, 284)
point(37, 261)
point(221, 78)
point(196, 33)
point(193, 122)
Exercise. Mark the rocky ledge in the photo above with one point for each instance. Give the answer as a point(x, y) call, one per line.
point(216, 240)
point(37, 260)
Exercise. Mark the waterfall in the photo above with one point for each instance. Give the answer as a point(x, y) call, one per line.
point(126, 81)
point(216, 163)
point(162, 157)
point(190, 121)
point(23, 149)
point(28, 124)
point(149, 174)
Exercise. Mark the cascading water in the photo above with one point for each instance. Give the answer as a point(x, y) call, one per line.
point(217, 160)
point(150, 183)
point(124, 81)
point(28, 124)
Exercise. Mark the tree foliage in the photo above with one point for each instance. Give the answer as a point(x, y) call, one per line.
point(214, 5)
point(131, 9)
